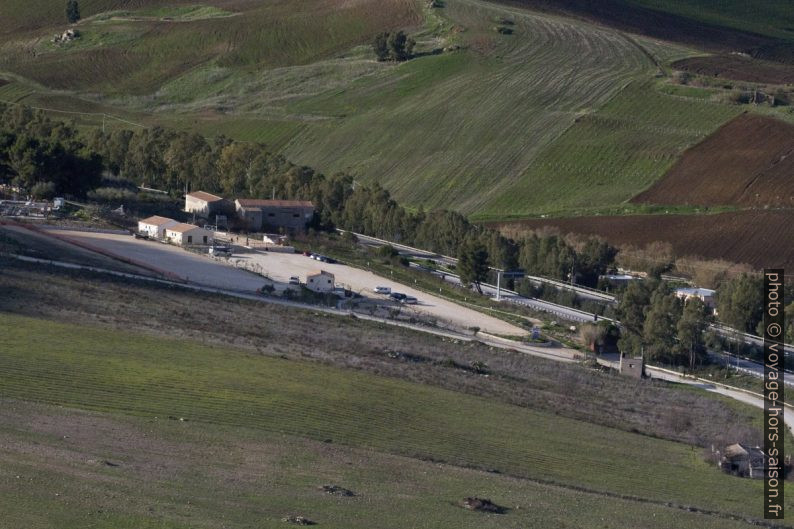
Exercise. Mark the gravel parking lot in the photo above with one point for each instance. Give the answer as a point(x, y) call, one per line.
point(280, 267)
point(171, 259)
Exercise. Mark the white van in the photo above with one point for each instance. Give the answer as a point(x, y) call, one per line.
point(383, 290)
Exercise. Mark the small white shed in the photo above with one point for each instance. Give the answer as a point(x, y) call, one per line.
point(321, 281)
point(188, 235)
point(155, 226)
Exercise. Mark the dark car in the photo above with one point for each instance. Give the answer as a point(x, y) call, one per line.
point(399, 296)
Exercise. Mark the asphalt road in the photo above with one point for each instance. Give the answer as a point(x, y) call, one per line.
point(409, 251)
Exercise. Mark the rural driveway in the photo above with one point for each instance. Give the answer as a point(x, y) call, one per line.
point(202, 270)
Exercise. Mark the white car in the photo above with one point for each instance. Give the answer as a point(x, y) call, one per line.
point(383, 290)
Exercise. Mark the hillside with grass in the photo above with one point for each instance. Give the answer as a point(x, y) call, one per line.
point(268, 401)
point(505, 110)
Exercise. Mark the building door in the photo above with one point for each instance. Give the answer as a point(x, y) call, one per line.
point(190, 239)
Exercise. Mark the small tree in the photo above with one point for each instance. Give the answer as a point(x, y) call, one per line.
point(393, 46)
point(381, 46)
point(661, 321)
point(72, 11)
point(473, 264)
point(691, 331)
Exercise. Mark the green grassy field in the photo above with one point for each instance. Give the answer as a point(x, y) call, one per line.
point(107, 371)
point(173, 474)
point(611, 155)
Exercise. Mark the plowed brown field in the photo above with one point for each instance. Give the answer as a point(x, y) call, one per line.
point(738, 68)
point(747, 162)
point(759, 238)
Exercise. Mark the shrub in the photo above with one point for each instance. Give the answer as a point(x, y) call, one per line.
point(43, 190)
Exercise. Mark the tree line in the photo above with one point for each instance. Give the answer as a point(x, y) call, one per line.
point(46, 157)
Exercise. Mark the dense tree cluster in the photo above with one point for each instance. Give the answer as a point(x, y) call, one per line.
point(44, 157)
point(661, 327)
point(393, 46)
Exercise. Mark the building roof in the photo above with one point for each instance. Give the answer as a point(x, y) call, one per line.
point(705, 292)
point(156, 220)
point(739, 450)
point(203, 195)
point(182, 227)
point(319, 273)
point(259, 203)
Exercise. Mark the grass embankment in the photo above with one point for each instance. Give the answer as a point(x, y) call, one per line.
point(101, 370)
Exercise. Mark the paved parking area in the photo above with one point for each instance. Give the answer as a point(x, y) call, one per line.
point(204, 270)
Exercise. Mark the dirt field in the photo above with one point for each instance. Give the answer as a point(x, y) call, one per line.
point(748, 162)
point(759, 238)
point(279, 267)
point(738, 68)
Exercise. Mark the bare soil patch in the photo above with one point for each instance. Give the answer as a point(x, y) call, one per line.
point(738, 68)
point(748, 162)
point(759, 238)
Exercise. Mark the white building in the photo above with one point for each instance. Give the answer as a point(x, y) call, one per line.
point(155, 226)
point(706, 295)
point(321, 281)
point(203, 204)
point(188, 234)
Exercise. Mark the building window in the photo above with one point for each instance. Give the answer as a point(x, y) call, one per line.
point(189, 239)
point(205, 239)
point(296, 215)
point(271, 214)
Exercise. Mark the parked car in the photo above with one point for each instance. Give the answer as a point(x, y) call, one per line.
point(139, 235)
point(220, 251)
point(398, 296)
point(382, 290)
point(410, 300)
point(294, 280)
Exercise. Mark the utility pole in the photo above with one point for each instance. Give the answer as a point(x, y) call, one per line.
point(498, 285)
